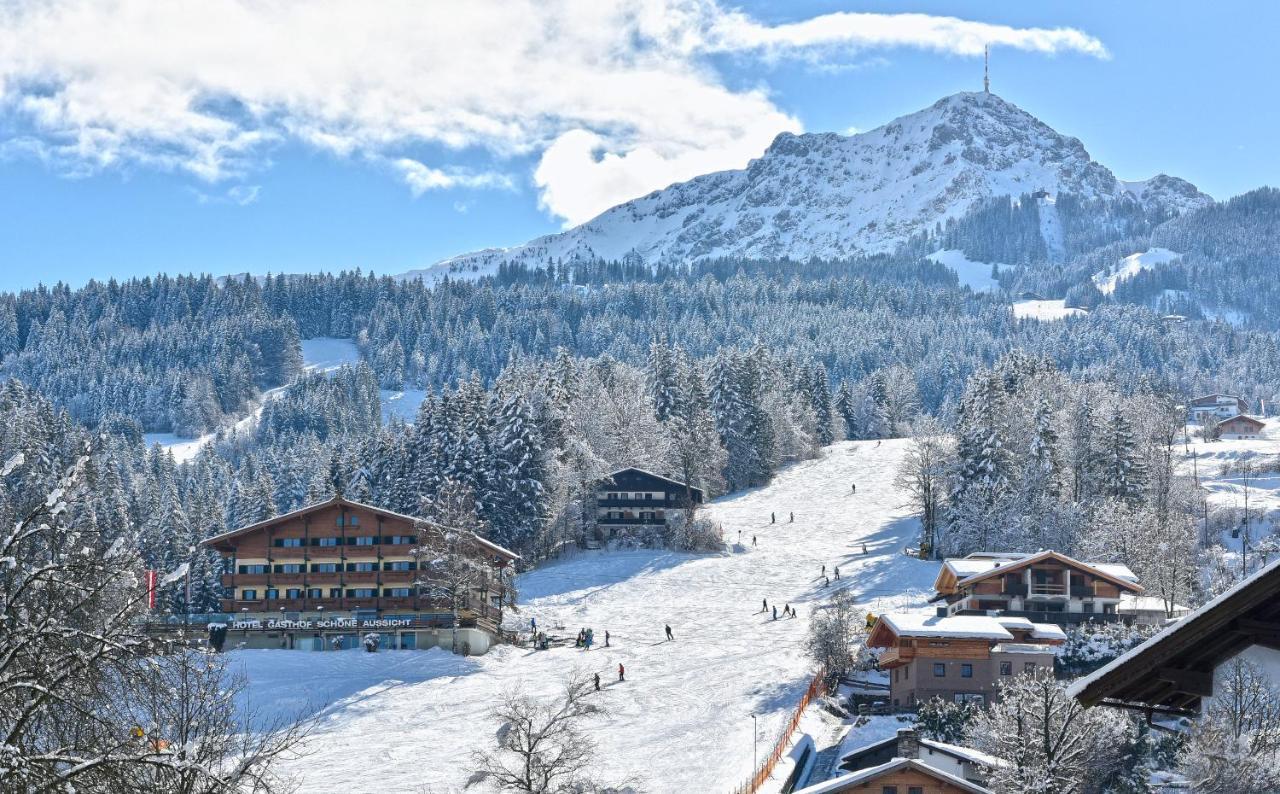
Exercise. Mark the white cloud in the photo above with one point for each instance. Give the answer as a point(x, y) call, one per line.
point(240, 195)
point(613, 98)
point(421, 177)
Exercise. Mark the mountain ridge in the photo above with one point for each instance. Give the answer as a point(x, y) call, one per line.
point(830, 196)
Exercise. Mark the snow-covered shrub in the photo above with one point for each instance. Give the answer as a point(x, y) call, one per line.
point(371, 641)
point(944, 721)
point(1091, 645)
point(700, 534)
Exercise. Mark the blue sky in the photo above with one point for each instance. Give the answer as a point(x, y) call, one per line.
point(321, 140)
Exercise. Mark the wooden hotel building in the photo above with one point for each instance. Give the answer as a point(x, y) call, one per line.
point(327, 574)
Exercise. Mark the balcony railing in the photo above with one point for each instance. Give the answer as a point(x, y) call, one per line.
point(1048, 589)
point(636, 502)
point(629, 522)
point(1060, 618)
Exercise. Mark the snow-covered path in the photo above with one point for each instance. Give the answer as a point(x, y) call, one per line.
point(682, 720)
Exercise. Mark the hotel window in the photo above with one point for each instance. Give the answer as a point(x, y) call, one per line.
point(906, 673)
point(362, 567)
point(1006, 668)
point(293, 593)
point(272, 593)
point(399, 540)
point(249, 595)
point(352, 521)
point(253, 569)
point(888, 790)
point(335, 592)
point(397, 566)
point(289, 567)
point(966, 671)
point(324, 567)
point(939, 670)
point(368, 540)
point(915, 789)
point(397, 592)
point(315, 592)
point(362, 592)
point(325, 542)
point(288, 543)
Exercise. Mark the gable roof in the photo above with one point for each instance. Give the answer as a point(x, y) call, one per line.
point(953, 750)
point(872, 773)
point(1173, 670)
point(340, 501)
point(1243, 417)
point(1117, 574)
point(647, 473)
point(1215, 396)
point(958, 627)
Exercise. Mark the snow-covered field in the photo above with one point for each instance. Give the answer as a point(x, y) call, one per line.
point(1044, 310)
point(682, 720)
point(974, 275)
point(1228, 489)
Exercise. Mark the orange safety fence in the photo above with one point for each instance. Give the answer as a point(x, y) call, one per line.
point(817, 688)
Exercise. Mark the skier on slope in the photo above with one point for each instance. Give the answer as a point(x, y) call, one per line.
point(793, 518)
point(775, 611)
point(773, 518)
point(597, 682)
point(824, 570)
point(622, 672)
point(670, 636)
point(765, 602)
point(837, 572)
point(753, 540)
point(855, 488)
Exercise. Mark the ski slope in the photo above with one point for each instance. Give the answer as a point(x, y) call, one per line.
point(321, 354)
point(409, 720)
point(1045, 310)
point(974, 275)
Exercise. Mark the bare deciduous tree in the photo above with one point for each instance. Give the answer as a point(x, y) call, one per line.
point(87, 703)
point(542, 747)
point(924, 475)
point(836, 632)
point(1235, 747)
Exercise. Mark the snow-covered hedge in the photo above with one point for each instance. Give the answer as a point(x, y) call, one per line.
point(1091, 645)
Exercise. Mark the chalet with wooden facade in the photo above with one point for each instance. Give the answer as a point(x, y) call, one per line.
point(1047, 587)
point(1172, 672)
point(1239, 427)
point(960, 659)
point(635, 497)
point(1216, 407)
point(326, 574)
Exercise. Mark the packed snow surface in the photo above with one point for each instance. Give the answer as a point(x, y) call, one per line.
point(1044, 310)
point(1131, 266)
point(974, 275)
point(682, 720)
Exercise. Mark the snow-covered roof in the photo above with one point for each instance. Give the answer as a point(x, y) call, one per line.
point(953, 750)
point(1048, 631)
point(845, 782)
point(1249, 419)
point(340, 500)
point(1116, 569)
point(647, 473)
point(965, 753)
point(1117, 573)
point(1020, 647)
point(1136, 603)
point(1021, 624)
point(914, 624)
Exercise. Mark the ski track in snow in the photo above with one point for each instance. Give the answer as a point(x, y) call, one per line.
point(321, 354)
point(974, 275)
point(682, 720)
point(1045, 310)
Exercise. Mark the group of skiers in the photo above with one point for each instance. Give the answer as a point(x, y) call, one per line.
point(773, 519)
point(587, 638)
point(787, 610)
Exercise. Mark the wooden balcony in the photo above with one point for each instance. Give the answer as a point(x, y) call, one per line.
point(360, 577)
point(629, 522)
point(1048, 589)
point(324, 552)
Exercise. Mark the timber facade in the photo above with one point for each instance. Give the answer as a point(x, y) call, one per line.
point(634, 497)
point(342, 568)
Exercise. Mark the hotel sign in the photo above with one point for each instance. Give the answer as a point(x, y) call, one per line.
point(325, 623)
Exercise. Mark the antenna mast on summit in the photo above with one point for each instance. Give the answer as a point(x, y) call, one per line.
point(986, 69)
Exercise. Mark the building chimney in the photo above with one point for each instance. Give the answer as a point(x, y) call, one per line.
point(908, 744)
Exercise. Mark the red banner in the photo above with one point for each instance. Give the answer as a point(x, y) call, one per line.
point(152, 579)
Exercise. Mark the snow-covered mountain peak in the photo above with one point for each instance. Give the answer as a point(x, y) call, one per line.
point(831, 196)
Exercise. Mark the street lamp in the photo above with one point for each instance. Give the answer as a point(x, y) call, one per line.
point(755, 742)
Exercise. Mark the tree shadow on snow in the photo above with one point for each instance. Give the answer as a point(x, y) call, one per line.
point(596, 570)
